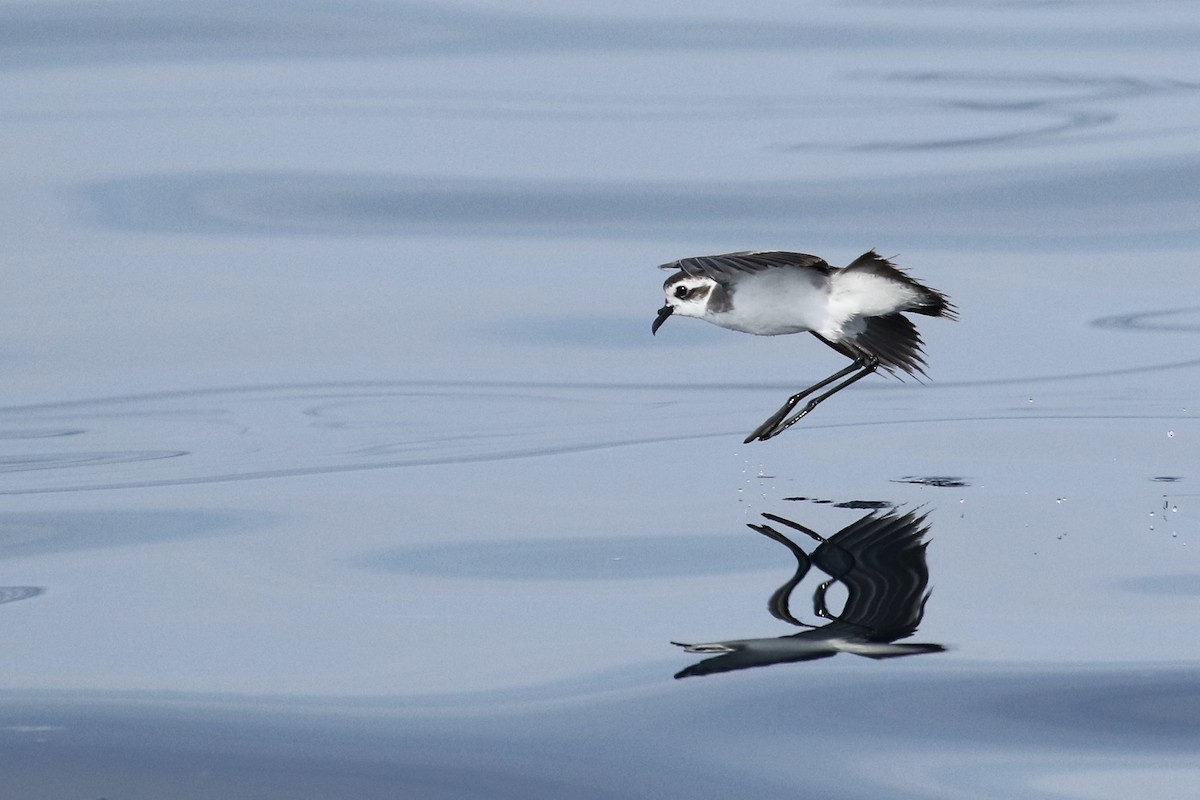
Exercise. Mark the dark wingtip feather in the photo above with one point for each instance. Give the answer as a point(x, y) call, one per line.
point(894, 340)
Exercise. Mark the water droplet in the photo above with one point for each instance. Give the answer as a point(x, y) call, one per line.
point(1174, 508)
point(1031, 400)
point(1170, 434)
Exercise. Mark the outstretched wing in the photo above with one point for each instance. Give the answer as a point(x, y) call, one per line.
point(724, 267)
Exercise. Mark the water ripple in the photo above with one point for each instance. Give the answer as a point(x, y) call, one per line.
point(1059, 206)
point(36, 533)
point(1040, 108)
point(36, 461)
point(575, 558)
point(264, 432)
point(11, 594)
point(1167, 320)
point(39, 433)
point(49, 34)
point(248, 433)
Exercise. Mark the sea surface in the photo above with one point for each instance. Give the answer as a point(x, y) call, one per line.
point(337, 459)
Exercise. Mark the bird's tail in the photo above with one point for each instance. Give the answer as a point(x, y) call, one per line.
point(935, 304)
point(929, 301)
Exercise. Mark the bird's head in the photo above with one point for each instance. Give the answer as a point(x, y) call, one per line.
point(686, 295)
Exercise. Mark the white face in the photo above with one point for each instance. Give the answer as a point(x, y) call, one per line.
point(688, 296)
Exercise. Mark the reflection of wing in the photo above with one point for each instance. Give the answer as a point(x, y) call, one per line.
point(724, 267)
point(880, 559)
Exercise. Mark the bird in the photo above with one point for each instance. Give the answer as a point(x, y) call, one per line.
point(858, 310)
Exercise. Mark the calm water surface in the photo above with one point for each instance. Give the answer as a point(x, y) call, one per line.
point(337, 461)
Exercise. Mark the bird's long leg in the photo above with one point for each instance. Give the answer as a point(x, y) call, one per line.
point(816, 401)
point(763, 430)
point(775, 423)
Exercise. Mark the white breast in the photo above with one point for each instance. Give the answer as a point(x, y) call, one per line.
point(777, 301)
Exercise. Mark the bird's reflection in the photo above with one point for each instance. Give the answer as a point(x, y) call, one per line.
point(880, 560)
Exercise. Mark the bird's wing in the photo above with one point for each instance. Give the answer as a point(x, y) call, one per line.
point(894, 340)
point(722, 268)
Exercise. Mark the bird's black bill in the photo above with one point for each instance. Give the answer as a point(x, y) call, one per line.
point(663, 313)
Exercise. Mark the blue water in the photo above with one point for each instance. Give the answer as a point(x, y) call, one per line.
point(337, 459)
